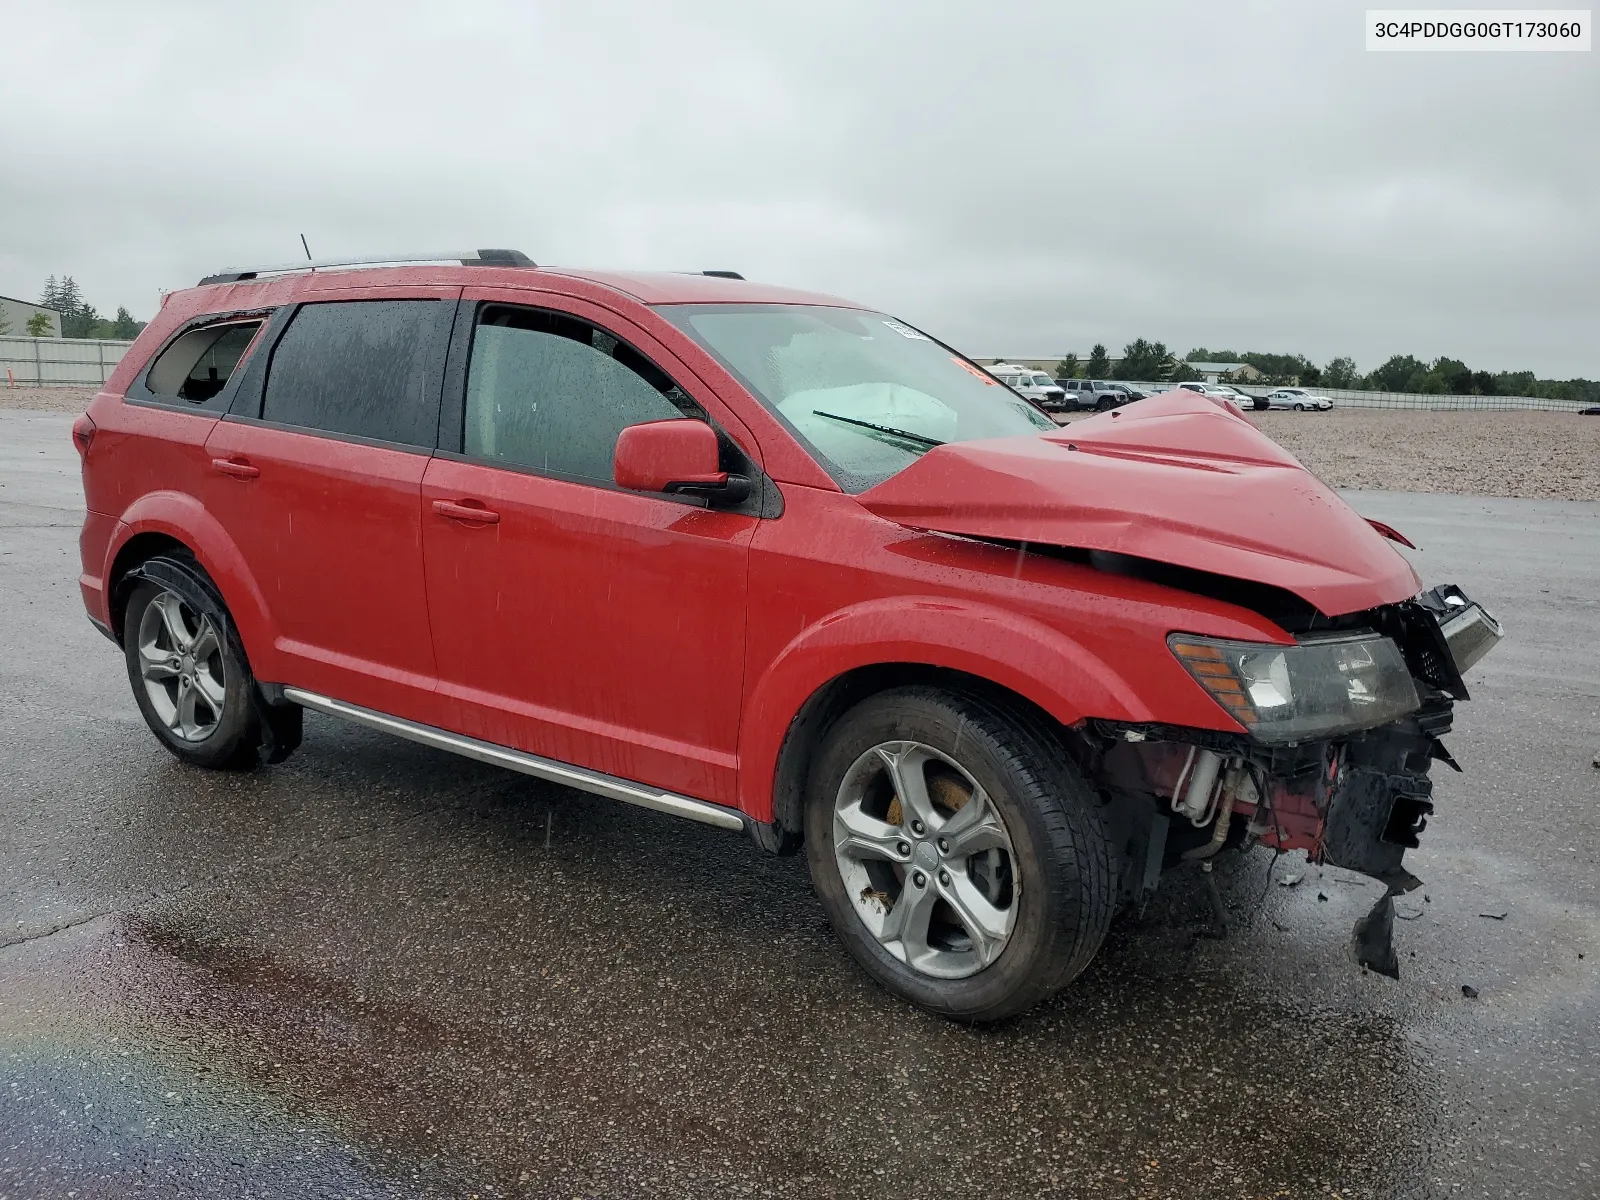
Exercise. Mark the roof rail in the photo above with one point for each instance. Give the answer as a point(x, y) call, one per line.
point(467, 258)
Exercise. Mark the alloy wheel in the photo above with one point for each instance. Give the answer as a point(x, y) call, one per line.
point(926, 859)
point(180, 659)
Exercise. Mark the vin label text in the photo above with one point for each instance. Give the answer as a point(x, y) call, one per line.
point(1478, 29)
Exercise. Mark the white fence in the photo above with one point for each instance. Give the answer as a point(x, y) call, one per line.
point(1350, 398)
point(57, 362)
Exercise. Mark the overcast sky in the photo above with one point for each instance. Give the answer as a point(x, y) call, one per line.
point(1022, 179)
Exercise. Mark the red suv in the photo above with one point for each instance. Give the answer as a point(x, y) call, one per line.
point(773, 562)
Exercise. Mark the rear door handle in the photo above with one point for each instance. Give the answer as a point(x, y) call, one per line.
point(473, 513)
point(239, 470)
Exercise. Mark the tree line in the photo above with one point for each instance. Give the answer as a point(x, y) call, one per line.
point(1142, 361)
point(78, 317)
point(1149, 361)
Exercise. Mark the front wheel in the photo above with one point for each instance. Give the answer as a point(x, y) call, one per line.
point(958, 852)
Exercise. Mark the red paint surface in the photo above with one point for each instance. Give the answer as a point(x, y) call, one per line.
point(593, 626)
point(673, 644)
point(652, 456)
point(1173, 478)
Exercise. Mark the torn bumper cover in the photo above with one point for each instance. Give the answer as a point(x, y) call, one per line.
point(1357, 798)
point(1384, 796)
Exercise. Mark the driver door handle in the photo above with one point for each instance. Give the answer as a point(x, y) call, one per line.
point(473, 514)
point(235, 467)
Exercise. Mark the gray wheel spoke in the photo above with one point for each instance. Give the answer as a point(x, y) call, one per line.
point(211, 690)
point(907, 922)
point(985, 924)
point(905, 761)
point(170, 609)
point(861, 836)
point(174, 719)
point(975, 828)
point(205, 642)
point(187, 725)
point(155, 663)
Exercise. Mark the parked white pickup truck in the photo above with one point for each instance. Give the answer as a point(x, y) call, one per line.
point(1035, 385)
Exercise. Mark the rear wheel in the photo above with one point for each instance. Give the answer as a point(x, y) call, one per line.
point(187, 668)
point(959, 854)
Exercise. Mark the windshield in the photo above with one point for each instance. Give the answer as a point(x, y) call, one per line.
point(1043, 381)
point(866, 394)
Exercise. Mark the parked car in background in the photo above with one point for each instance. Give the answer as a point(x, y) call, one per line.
point(1130, 391)
point(1035, 385)
point(1098, 394)
point(1213, 391)
point(758, 558)
point(1299, 400)
point(1224, 394)
point(1245, 399)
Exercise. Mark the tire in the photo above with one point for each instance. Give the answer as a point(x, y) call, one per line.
point(1104, 405)
point(187, 666)
point(1299, 408)
point(1044, 899)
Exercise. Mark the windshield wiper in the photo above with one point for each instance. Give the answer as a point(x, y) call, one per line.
point(918, 438)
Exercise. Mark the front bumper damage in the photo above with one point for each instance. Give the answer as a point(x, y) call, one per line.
point(1357, 802)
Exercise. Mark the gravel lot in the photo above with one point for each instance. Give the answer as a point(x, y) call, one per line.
point(1524, 455)
point(1527, 455)
point(50, 399)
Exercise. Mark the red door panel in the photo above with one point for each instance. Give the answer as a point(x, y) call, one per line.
point(332, 531)
point(593, 626)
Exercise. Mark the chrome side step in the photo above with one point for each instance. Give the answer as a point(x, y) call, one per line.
point(528, 764)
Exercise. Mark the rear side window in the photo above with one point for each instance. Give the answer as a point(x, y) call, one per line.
point(364, 368)
point(552, 392)
point(199, 363)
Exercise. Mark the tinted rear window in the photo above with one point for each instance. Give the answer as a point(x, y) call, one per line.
point(364, 368)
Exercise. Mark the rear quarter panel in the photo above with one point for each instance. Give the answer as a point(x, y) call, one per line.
point(145, 472)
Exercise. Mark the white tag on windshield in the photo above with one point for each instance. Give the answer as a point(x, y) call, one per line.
point(906, 331)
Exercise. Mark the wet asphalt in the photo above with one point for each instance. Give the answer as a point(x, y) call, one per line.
point(381, 971)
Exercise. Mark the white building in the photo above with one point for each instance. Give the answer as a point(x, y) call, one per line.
point(15, 315)
point(1225, 372)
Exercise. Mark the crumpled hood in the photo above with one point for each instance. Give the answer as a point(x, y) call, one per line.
point(1175, 478)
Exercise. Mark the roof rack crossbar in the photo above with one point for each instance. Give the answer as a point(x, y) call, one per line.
point(467, 258)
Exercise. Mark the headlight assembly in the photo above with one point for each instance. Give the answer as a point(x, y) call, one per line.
point(1313, 689)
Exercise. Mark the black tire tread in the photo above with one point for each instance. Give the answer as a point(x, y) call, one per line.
point(1076, 834)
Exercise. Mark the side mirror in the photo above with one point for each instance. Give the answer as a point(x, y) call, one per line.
point(675, 456)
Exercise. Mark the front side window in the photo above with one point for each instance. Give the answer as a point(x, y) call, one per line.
point(865, 394)
point(553, 393)
point(364, 368)
point(200, 362)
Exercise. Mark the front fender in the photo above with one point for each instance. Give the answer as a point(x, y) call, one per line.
point(1015, 651)
point(180, 516)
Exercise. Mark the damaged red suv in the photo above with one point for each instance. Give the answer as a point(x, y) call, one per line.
point(773, 562)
